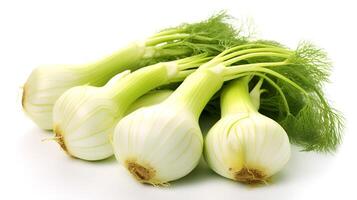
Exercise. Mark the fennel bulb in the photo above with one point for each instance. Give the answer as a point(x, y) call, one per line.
point(162, 143)
point(45, 84)
point(245, 145)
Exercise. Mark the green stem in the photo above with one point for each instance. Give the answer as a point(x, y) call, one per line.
point(240, 75)
point(256, 50)
point(101, 71)
point(208, 46)
point(280, 91)
point(131, 86)
point(195, 92)
point(282, 77)
point(194, 63)
point(254, 55)
point(167, 32)
point(245, 54)
point(191, 58)
point(165, 38)
point(164, 52)
point(235, 98)
point(134, 85)
point(255, 93)
point(182, 75)
point(254, 69)
point(255, 45)
point(203, 38)
point(235, 70)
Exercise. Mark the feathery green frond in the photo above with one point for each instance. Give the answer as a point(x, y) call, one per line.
point(212, 35)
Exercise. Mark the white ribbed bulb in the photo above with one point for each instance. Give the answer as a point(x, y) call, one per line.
point(245, 145)
point(162, 143)
point(158, 144)
point(89, 109)
point(47, 83)
point(44, 86)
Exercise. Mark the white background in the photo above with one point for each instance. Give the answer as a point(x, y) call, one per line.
point(45, 32)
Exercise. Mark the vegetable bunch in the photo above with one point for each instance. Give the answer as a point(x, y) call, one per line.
point(143, 104)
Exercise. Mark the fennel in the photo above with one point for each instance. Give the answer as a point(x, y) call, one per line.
point(245, 145)
point(162, 143)
point(84, 116)
point(45, 84)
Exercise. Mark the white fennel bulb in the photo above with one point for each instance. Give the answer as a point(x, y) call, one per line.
point(158, 144)
point(162, 143)
point(47, 83)
point(245, 145)
point(84, 108)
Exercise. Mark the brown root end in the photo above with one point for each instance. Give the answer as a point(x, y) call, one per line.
point(250, 176)
point(141, 173)
point(59, 137)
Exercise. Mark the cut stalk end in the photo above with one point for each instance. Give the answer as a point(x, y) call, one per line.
point(59, 138)
point(141, 173)
point(144, 174)
point(250, 176)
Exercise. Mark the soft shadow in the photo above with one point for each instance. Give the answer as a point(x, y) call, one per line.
point(48, 157)
point(303, 166)
point(38, 143)
point(206, 122)
point(106, 161)
point(47, 162)
point(201, 173)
